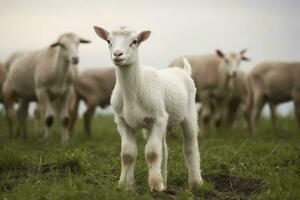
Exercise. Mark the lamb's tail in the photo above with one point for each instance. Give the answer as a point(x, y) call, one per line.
point(187, 66)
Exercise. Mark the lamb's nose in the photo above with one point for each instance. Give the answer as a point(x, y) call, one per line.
point(118, 53)
point(75, 60)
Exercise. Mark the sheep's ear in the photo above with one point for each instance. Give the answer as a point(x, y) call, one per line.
point(101, 32)
point(142, 36)
point(82, 40)
point(55, 44)
point(243, 51)
point(245, 58)
point(220, 53)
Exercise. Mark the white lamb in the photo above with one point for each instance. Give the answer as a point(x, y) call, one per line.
point(156, 100)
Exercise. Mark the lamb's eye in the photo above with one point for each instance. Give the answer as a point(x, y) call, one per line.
point(108, 41)
point(134, 42)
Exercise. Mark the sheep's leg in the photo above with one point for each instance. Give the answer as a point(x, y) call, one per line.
point(62, 106)
point(73, 113)
point(273, 116)
point(190, 149)
point(22, 116)
point(247, 108)
point(258, 103)
point(44, 99)
point(153, 153)
point(205, 118)
point(129, 154)
point(38, 116)
point(231, 112)
point(296, 100)
point(88, 115)
point(8, 97)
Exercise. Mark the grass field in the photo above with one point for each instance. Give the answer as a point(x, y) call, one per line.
point(234, 165)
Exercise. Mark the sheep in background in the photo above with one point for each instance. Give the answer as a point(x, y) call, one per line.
point(238, 100)
point(94, 87)
point(274, 83)
point(153, 99)
point(213, 75)
point(2, 79)
point(45, 75)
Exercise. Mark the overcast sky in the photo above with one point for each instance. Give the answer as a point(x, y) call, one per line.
point(270, 29)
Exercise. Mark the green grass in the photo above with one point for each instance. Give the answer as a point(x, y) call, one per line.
point(234, 165)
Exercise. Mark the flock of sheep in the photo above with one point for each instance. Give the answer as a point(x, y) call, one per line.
point(143, 97)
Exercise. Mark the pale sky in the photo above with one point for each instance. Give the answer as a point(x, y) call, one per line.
point(269, 29)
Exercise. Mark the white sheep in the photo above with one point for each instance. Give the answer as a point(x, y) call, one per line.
point(274, 83)
point(155, 100)
point(94, 86)
point(214, 76)
point(45, 75)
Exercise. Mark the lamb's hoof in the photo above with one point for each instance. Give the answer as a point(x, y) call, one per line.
point(156, 183)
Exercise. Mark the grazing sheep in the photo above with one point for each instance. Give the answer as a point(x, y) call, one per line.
point(155, 100)
point(274, 83)
point(94, 87)
point(213, 76)
point(45, 75)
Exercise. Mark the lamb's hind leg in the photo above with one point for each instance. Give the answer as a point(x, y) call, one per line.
point(296, 100)
point(190, 149)
point(155, 153)
point(128, 154)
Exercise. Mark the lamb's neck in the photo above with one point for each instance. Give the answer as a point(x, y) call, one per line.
point(129, 79)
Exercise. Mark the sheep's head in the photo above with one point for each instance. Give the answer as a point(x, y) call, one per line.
point(232, 61)
point(123, 44)
point(69, 43)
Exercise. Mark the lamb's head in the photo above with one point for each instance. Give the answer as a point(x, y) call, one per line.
point(68, 44)
point(123, 44)
point(231, 61)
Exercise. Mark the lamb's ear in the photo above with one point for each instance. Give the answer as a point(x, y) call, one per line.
point(101, 32)
point(55, 44)
point(220, 53)
point(82, 40)
point(142, 36)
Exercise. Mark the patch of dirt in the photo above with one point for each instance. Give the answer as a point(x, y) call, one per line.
point(230, 187)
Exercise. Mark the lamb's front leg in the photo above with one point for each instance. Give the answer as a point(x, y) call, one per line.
point(129, 154)
point(154, 154)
